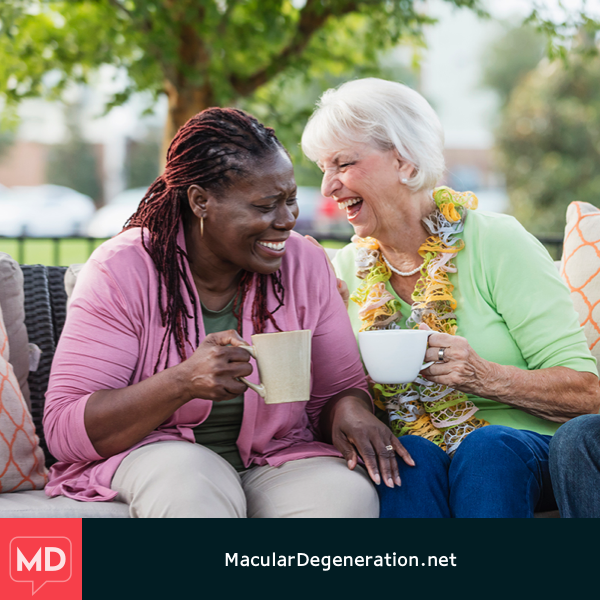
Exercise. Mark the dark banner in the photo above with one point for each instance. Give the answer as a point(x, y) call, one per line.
point(44, 558)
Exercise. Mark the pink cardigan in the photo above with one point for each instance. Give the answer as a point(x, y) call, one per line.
point(112, 337)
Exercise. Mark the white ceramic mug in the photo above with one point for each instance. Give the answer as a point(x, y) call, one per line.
point(283, 361)
point(394, 355)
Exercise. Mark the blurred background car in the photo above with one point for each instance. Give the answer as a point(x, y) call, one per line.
point(44, 211)
point(109, 220)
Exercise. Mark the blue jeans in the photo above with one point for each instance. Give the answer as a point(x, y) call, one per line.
point(575, 467)
point(497, 471)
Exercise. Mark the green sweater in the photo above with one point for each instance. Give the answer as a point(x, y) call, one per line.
point(512, 307)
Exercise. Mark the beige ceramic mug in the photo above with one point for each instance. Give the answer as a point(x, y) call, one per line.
point(283, 361)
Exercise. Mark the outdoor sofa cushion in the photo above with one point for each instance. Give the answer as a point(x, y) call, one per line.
point(21, 458)
point(13, 309)
point(580, 268)
point(71, 275)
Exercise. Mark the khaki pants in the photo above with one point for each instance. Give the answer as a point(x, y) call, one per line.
point(181, 479)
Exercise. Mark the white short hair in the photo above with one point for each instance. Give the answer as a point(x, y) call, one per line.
point(385, 114)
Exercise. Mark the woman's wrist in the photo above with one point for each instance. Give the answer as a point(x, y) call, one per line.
point(495, 381)
point(353, 399)
point(356, 397)
point(501, 383)
point(487, 378)
point(179, 381)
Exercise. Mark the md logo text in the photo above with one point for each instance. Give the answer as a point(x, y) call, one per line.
point(40, 560)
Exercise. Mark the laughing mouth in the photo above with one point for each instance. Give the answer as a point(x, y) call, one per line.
point(273, 245)
point(346, 203)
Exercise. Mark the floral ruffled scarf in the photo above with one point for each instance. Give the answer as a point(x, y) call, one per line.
point(436, 412)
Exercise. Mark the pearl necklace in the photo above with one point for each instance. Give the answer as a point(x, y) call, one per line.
point(394, 270)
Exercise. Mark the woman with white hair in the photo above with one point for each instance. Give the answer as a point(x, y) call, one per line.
point(512, 362)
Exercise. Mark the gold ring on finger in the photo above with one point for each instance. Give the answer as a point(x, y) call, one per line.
point(390, 447)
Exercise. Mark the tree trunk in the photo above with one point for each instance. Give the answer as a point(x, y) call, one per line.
point(185, 101)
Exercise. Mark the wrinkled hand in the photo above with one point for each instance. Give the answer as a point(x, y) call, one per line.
point(341, 284)
point(356, 429)
point(462, 368)
point(212, 371)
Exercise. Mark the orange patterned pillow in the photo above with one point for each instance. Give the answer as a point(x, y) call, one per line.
point(580, 268)
point(21, 458)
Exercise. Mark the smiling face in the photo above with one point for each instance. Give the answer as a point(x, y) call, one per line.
point(247, 223)
point(365, 182)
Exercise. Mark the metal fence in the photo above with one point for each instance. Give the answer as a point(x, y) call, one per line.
point(65, 251)
point(49, 251)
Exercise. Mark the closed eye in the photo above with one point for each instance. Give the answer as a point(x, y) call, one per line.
point(266, 208)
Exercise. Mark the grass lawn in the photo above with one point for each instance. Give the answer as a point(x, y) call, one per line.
point(69, 250)
point(47, 252)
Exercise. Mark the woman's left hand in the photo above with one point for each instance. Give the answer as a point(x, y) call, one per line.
point(457, 365)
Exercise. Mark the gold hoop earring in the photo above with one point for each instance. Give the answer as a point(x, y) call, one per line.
point(201, 226)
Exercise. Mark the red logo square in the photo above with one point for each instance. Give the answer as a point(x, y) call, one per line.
point(41, 558)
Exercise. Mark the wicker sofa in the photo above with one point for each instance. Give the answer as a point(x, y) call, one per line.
point(45, 311)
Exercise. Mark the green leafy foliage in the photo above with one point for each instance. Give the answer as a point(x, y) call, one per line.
point(46, 45)
point(550, 139)
point(199, 52)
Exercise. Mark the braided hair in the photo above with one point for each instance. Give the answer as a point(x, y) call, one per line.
point(212, 150)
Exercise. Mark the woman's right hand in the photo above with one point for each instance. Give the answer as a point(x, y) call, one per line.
point(117, 419)
point(213, 370)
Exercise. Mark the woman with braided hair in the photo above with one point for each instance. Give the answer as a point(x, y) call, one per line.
point(510, 360)
point(145, 404)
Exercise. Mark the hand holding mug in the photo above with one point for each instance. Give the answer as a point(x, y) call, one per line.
point(214, 370)
point(455, 363)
